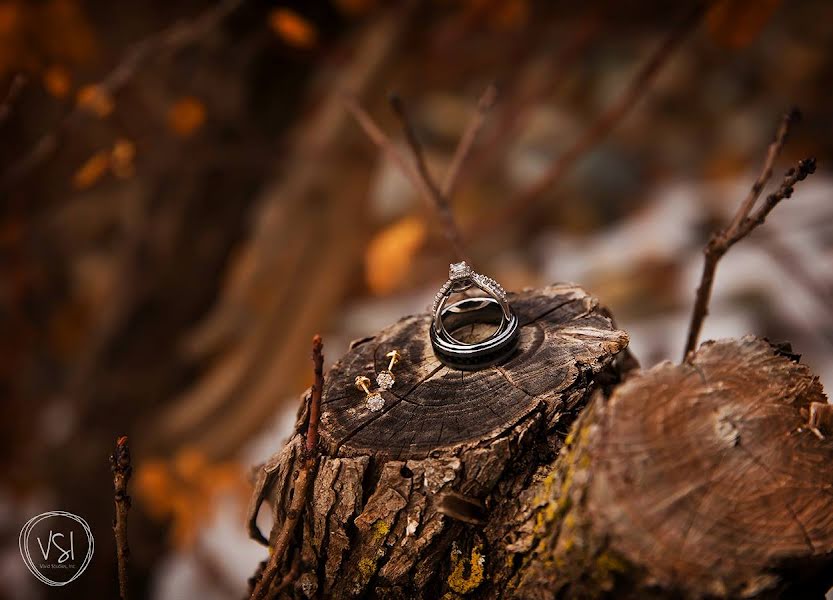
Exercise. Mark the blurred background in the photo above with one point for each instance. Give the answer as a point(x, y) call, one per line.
point(186, 201)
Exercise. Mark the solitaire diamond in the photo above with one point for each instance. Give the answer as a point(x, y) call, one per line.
point(375, 402)
point(385, 380)
point(459, 270)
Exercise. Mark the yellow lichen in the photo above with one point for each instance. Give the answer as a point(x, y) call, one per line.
point(367, 567)
point(380, 531)
point(457, 580)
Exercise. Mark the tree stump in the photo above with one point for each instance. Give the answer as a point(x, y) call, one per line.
point(694, 480)
point(691, 481)
point(415, 500)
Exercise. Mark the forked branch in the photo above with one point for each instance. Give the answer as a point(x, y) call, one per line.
point(435, 195)
point(438, 199)
point(746, 219)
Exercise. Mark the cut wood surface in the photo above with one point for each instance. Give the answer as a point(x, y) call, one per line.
point(695, 480)
point(407, 500)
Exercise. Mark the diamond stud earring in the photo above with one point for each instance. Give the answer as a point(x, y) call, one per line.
point(374, 400)
point(385, 379)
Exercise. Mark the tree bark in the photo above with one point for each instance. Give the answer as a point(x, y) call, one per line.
point(694, 480)
point(691, 481)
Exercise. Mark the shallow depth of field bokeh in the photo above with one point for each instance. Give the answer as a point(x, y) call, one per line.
point(186, 201)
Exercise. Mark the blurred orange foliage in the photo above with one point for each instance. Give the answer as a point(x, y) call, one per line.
point(33, 34)
point(91, 171)
point(292, 28)
point(737, 23)
point(121, 158)
point(186, 116)
point(95, 100)
point(57, 81)
point(391, 252)
point(184, 489)
point(118, 160)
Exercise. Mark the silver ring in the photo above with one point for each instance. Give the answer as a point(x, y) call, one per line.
point(492, 308)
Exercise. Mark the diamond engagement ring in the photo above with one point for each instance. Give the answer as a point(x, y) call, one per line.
point(490, 309)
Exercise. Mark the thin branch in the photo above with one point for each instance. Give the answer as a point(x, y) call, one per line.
point(165, 42)
point(466, 143)
point(16, 86)
point(301, 486)
point(516, 111)
point(604, 124)
point(438, 199)
point(766, 173)
point(122, 470)
point(744, 222)
point(424, 186)
point(315, 397)
point(378, 137)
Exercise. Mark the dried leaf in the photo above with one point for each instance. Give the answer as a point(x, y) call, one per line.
point(390, 254)
point(186, 116)
point(736, 23)
point(95, 100)
point(57, 81)
point(121, 158)
point(91, 171)
point(292, 28)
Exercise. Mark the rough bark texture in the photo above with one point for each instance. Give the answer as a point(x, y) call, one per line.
point(421, 498)
point(704, 479)
point(693, 480)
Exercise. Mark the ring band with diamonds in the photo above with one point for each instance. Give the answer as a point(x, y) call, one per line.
point(493, 308)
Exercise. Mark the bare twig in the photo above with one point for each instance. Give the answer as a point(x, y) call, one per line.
point(515, 111)
point(418, 176)
point(771, 155)
point(466, 143)
point(167, 41)
point(122, 470)
point(438, 199)
point(315, 397)
point(378, 137)
point(745, 220)
point(603, 125)
point(299, 490)
point(15, 87)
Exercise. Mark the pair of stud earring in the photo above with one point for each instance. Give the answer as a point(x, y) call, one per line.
point(385, 380)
